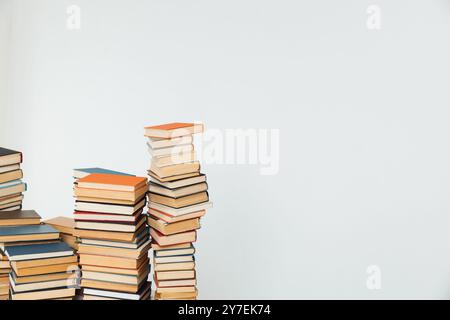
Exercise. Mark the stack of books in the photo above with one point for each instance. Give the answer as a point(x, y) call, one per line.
point(11, 185)
point(42, 267)
point(178, 198)
point(113, 235)
point(11, 219)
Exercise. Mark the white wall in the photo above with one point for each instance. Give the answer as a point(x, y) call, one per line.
point(364, 177)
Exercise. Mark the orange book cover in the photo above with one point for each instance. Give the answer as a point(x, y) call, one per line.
point(171, 126)
point(114, 179)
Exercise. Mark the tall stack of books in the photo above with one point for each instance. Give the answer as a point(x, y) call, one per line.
point(42, 267)
point(178, 198)
point(11, 185)
point(114, 238)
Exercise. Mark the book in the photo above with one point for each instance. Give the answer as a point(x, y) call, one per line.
point(119, 227)
point(38, 251)
point(185, 237)
point(9, 157)
point(43, 294)
point(157, 247)
point(142, 294)
point(12, 188)
point(175, 212)
point(174, 159)
point(81, 173)
point(173, 228)
point(157, 143)
point(180, 182)
point(19, 218)
point(112, 182)
point(175, 283)
point(178, 192)
point(9, 168)
point(20, 264)
point(28, 233)
point(112, 262)
point(173, 130)
point(104, 217)
point(174, 252)
point(176, 177)
point(106, 235)
point(175, 275)
point(44, 277)
point(49, 269)
point(11, 199)
point(132, 272)
point(170, 219)
point(109, 208)
point(105, 285)
point(62, 224)
point(130, 196)
point(174, 259)
point(175, 150)
point(115, 252)
point(70, 282)
point(173, 172)
point(180, 202)
point(11, 176)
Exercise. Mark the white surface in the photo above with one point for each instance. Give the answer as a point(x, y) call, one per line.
point(364, 176)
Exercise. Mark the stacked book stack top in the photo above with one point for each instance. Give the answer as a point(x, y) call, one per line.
point(11, 185)
point(113, 236)
point(41, 266)
point(178, 198)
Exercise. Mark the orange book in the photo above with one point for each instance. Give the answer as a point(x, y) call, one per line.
point(112, 182)
point(172, 130)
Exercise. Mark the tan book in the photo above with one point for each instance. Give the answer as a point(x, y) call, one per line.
point(178, 192)
point(116, 278)
point(176, 169)
point(44, 295)
point(43, 285)
point(175, 275)
point(111, 194)
point(161, 152)
point(70, 240)
point(158, 143)
point(62, 224)
point(187, 289)
point(11, 206)
point(106, 235)
point(103, 285)
point(144, 265)
point(11, 176)
point(163, 240)
point(10, 199)
point(173, 219)
point(179, 202)
point(114, 252)
point(174, 158)
point(103, 226)
point(44, 262)
point(174, 177)
point(175, 283)
point(66, 267)
point(106, 261)
point(173, 259)
point(174, 266)
point(46, 277)
point(174, 252)
point(13, 189)
point(4, 264)
point(107, 201)
point(156, 246)
point(97, 298)
point(172, 228)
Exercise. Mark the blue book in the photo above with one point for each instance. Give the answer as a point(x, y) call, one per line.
point(10, 184)
point(38, 251)
point(81, 173)
point(28, 233)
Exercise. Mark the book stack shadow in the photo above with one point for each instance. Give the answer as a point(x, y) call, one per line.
point(178, 198)
point(42, 266)
point(113, 236)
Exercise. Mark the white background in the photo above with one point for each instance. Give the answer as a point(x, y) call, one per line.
point(364, 154)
